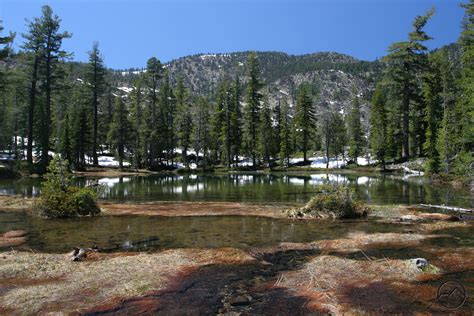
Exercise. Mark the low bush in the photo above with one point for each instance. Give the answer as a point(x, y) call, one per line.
point(60, 199)
point(331, 202)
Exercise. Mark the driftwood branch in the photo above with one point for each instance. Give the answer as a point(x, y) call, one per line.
point(449, 208)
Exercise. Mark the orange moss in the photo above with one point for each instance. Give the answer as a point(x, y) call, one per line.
point(12, 238)
point(221, 256)
point(176, 209)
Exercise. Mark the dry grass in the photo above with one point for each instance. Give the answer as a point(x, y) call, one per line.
point(359, 240)
point(35, 282)
point(440, 225)
point(353, 242)
point(334, 284)
point(15, 203)
point(453, 260)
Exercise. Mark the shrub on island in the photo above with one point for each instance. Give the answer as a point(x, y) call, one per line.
point(60, 199)
point(331, 201)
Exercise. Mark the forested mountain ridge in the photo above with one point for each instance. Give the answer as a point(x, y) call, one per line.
point(333, 79)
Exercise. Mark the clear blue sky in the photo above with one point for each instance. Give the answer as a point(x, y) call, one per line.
point(129, 32)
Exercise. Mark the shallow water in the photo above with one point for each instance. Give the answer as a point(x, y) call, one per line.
point(259, 187)
point(154, 232)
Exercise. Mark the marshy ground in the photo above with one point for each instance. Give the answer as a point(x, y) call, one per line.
point(366, 271)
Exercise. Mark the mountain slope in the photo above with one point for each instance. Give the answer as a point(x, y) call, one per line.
point(334, 78)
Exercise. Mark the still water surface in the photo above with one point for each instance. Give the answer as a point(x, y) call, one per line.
point(259, 187)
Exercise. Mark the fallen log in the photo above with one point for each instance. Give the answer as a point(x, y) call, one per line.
point(449, 208)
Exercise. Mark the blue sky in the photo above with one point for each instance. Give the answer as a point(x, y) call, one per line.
point(129, 32)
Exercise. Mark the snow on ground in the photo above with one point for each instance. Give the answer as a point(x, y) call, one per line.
point(363, 161)
point(321, 162)
point(206, 56)
point(125, 89)
point(135, 72)
point(106, 161)
point(246, 162)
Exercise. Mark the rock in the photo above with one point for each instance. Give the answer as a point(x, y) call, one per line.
point(240, 300)
point(420, 262)
point(78, 254)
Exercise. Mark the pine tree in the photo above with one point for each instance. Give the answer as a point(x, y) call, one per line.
point(333, 132)
point(5, 42)
point(266, 134)
point(66, 149)
point(80, 128)
point(465, 103)
point(378, 127)
point(137, 123)
point(432, 88)
point(154, 73)
point(252, 107)
point(356, 134)
point(286, 126)
point(185, 121)
point(277, 128)
point(51, 55)
point(5, 110)
point(202, 133)
point(406, 61)
point(33, 47)
point(95, 78)
point(119, 131)
point(236, 120)
point(305, 120)
point(165, 133)
point(221, 124)
point(340, 134)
